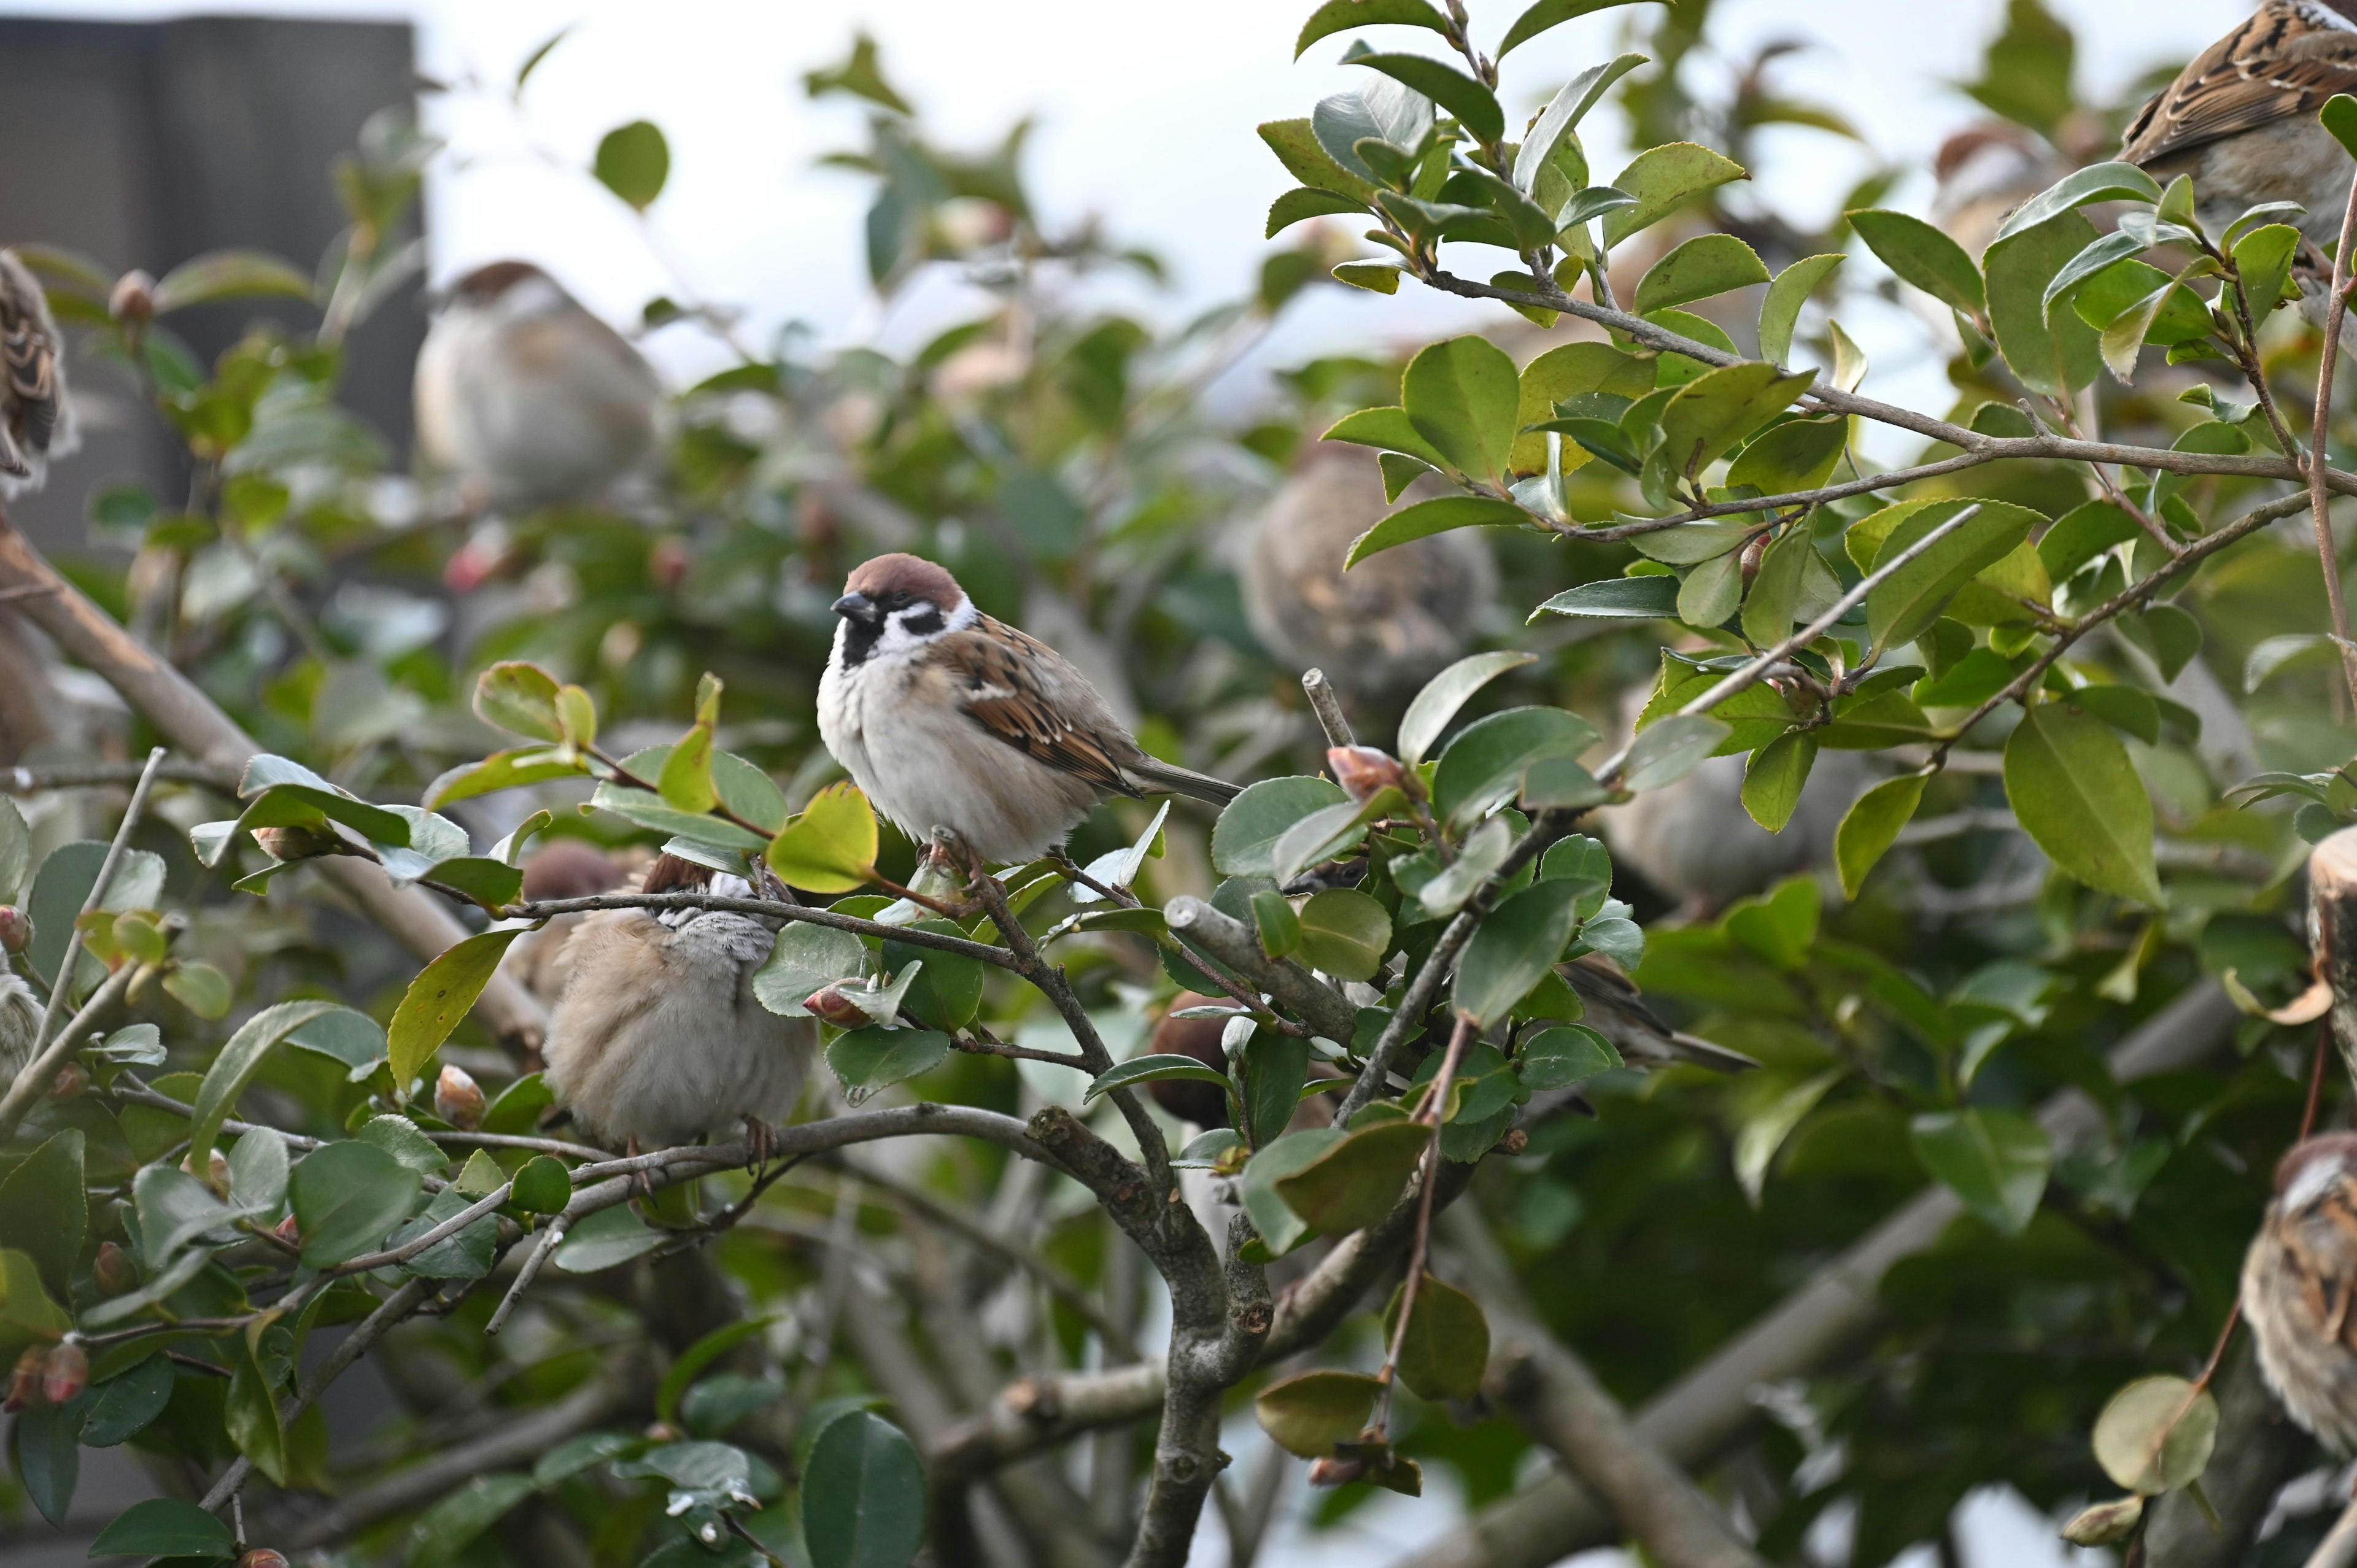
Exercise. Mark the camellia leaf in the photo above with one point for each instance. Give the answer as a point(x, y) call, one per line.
point(1779, 313)
point(1308, 1413)
point(1341, 15)
point(2097, 182)
point(1276, 1066)
point(44, 1212)
point(1773, 779)
point(461, 1517)
point(2057, 354)
point(1922, 255)
point(1357, 1182)
point(1244, 839)
point(1663, 179)
point(444, 992)
point(863, 1494)
point(633, 161)
point(1483, 766)
point(1871, 826)
point(1344, 933)
point(2156, 1434)
point(1903, 604)
point(1705, 265)
point(831, 847)
point(1295, 143)
point(606, 1239)
point(1388, 428)
point(229, 274)
point(348, 1197)
point(1563, 1056)
point(865, 1061)
point(1442, 695)
point(1548, 13)
point(1563, 114)
point(1512, 950)
point(250, 1414)
point(804, 958)
point(1714, 411)
point(1281, 1230)
point(230, 1071)
point(2075, 792)
point(1669, 748)
point(1995, 1161)
point(1461, 395)
point(1617, 598)
point(1303, 203)
point(522, 698)
point(1475, 106)
point(1151, 1069)
point(163, 1527)
point(543, 1185)
point(1446, 1347)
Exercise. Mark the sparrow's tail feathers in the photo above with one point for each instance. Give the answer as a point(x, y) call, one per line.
point(1705, 1053)
point(1163, 778)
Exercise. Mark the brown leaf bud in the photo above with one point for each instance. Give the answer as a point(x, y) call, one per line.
point(1753, 549)
point(1514, 1142)
point(66, 1374)
point(458, 1099)
point(2103, 1524)
point(289, 1230)
point(830, 1003)
point(113, 1271)
point(298, 843)
point(15, 928)
point(25, 1382)
point(263, 1557)
point(216, 1169)
point(133, 299)
point(71, 1079)
point(1333, 1472)
point(669, 560)
point(1364, 771)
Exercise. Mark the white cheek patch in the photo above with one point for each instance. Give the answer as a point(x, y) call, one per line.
point(2314, 1180)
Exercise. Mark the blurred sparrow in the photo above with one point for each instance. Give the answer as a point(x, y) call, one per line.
point(20, 1024)
point(2299, 1281)
point(1984, 172)
point(525, 396)
point(1191, 1098)
point(561, 868)
point(947, 718)
point(658, 1036)
point(36, 423)
point(1617, 1012)
point(1388, 625)
point(2242, 118)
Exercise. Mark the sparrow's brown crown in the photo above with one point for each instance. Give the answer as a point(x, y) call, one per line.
point(568, 869)
point(884, 575)
point(489, 282)
point(2337, 1149)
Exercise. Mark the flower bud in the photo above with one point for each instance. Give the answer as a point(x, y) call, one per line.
point(1514, 1142)
point(25, 1382)
point(1754, 548)
point(830, 1003)
point(458, 1099)
point(113, 1271)
point(298, 843)
point(289, 1230)
point(2105, 1523)
point(263, 1557)
point(15, 928)
point(66, 1373)
point(661, 1431)
point(71, 1079)
point(216, 1169)
point(1364, 772)
point(133, 299)
point(669, 560)
point(1333, 1472)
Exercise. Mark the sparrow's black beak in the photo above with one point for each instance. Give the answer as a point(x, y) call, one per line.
point(859, 607)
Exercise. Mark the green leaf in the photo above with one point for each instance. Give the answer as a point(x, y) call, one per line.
point(173, 1208)
point(2082, 533)
point(200, 987)
point(605, 1240)
point(1774, 778)
point(1344, 933)
point(16, 850)
point(1475, 106)
point(1483, 767)
point(2156, 1434)
point(1769, 610)
point(1704, 266)
point(1907, 601)
point(2097, 182)
point(1798, 455)
point(2100, 254)
point(125, 1403)
point(1308, 1413)
point(519, 698)
point(163, 1527)
point(468, 1255)
point(1779, 313)
point(2054, 355)
point(1548, 13)
point(1295, 143)
point(863, 1494)
point(541, 1187)
point(1359, 1180)
point(44, 1212)
point(235, 1067)
point(1375, 277)
point(633, 161)
point(804, 958)
point(865, 1061)
point(1669, 748)
point(1562, 116)
point(1924, 256)
point(229, 274)
point(1776, 1108)
point(444, 992)
point(250, 1414)
point(348, 1197)
point(831, 847)
point(1387, 428)
point(1150, 1069)
point(2078, 796)
point(1563, 1056)
point(47, 1460)
point(2263, 260)
point(1871, 826)
point(1663, 179)
point(1303, 203)
point(1461, 396)
point(1437, 703)
point(1513, 947)
point(692, 1361)
point(686, 783)
point(1446, 1347)
point(2338, 116)
point(1710, 413)
point(1617, 598)
point(2125, 708)
point(1560, 375)
point(1995, 1161)
point(1339, 15)
point(502, 770)
point(1278, 927)
point(1243, 841)
point(461, 1517)
point(1276, 1066)
point(1281, 1230)
point(948, 988)
point(399, 1136)
point(64, 884)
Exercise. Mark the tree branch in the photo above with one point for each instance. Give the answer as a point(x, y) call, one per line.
point(2319, 506)
point(1230, 942)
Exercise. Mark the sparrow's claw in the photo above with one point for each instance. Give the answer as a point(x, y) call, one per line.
point(642, 1185)
point(760, 1141)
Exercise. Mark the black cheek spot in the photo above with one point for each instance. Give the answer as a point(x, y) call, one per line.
point(922, 623)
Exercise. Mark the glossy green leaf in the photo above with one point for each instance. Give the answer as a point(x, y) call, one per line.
point(1359, 1180)
point(1514, 946)
point(1712, 413)
point(2076, 793)
point(44, 1212)
point(863, 1494)
point(1779, 313)
point(1461, 395)
point(1663, 179)
point(163, 1527)
point(541, 1185)
point(2054, 355)
point(1475, 106)
point(1775, 776)
point(805, 958)
point(633, 161)
point(1483, 765)
point(1150, 1069)
point(1387, 428)
point(1798, 455)
point(1427, 716)
point(1669, 748)
point(519, 697)
point(1705, 265)
point(1341, 15)
point(605, 1240)
point(1276, 1066)
point(1548, 13)
point(444, 992)
point(236, 1064)
point(1617, 598)
point(124, 1404)
point(1281, 1230)
point(1244, 839)
point(1995, 1161)
point(2156, 1434)
point(1922, 255)
point(229, 274)
point(1903, 604)
point(348, 1197)
point(831, 847)
point(1308, 1413)
point(2097, 182)
point(1295, 143)
point(1563, 114)
point(1563, 1056)
point(1344, 933)
point(1446, 1347)
point(1303, 203)
point(1871, 826)
point(865, 1061)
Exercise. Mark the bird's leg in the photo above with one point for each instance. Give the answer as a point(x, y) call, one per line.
point(760, 1140)
point(641, 1186)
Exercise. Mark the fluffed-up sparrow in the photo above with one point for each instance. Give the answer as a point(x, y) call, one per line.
point(2241, 119)
point(525, 397)
point(948, 718)
point(1383, 628)
point(658, 1036)
point(36, 422)
point(2299, 1282)
point(1616, 1011)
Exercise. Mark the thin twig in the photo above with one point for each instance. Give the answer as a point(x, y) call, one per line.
point(2319, 502)
point(1434, 1110)
point(1328, 708)
point(42, 1070)
point(544, 1248)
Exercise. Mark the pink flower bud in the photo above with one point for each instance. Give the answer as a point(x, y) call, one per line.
point(113, 1271)
point(71, 1079)
point(15, 928)
point(288, 1231)
point(458, 1099)
point(133, 299)
point(669, 560)
point(25, 1382)
point(831, 1004)
point(1333, 1472)
point(66, 1374)
point(1364, 771)
point(216, 1169)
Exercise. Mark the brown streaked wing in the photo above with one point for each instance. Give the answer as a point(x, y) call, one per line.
point(2324, 1240)
point(990, 684)
point(2275, 65)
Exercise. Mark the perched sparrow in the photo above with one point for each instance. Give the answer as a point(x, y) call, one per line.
point(1382, 628)
point(20, 1024)
point(561, 868)
point(525, 396)
point(658, 1036)
point(1617, 1012)
point(2299, 1281)
point(948, 718)
point(2242, 118)
point(36, 424)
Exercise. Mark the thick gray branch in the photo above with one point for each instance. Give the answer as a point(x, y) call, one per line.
point(1234, 945)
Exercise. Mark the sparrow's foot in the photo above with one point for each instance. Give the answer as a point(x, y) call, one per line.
point(642, 1185)
point(761, 1142)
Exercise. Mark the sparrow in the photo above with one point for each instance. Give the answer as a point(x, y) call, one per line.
point(561, 868)
point(1382, 629)
point(658, 1036)
point(527, 398)
point(948, 718)
point(1616, 1011)
point(1984, 171)
point(2299, 1281)
point(2241, 119)
point(20, 1024)
point(35, 420)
